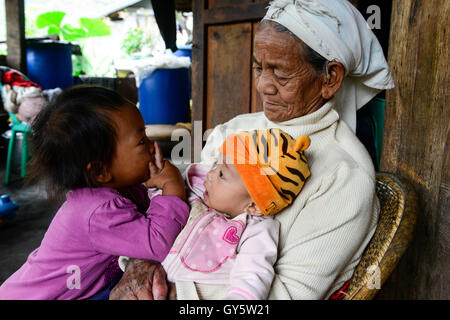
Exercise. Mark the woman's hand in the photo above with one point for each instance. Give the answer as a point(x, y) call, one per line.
point(142, 280)
point(172, 291)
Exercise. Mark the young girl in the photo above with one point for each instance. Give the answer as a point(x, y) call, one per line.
point(91, 142)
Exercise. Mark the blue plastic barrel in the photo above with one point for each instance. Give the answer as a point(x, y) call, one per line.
point(49, 64)
point(164, 96)
point(184, 51)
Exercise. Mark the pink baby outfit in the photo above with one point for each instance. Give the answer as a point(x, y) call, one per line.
point(212, 249)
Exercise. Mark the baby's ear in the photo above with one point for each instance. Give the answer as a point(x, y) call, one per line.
point(253, 210)
point(98, 173)
point(302, 143)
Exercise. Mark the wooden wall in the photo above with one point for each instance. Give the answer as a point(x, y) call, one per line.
point(15, 34)
point(416, 141)
point(222, 58)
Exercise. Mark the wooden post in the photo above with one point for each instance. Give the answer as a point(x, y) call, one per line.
point(416, 140)
point(15, 34)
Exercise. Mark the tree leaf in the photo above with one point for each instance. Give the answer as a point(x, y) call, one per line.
point(53, 30)
point(51, 18)
point(70, 33)
point(95, 27)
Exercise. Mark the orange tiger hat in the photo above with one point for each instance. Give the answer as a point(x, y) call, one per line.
point(272, 165)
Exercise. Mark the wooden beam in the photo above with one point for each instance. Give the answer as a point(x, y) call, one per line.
point(416, 142)
point(183, 5)
point(198, 74)
point(235, 14)
point(15, 34)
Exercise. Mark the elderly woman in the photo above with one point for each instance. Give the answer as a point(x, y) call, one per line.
point(315, 63)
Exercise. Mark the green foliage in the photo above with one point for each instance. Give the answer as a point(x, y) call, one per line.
point(134, 41)
point(51, 19)
point(95, 27)
point(88, 27)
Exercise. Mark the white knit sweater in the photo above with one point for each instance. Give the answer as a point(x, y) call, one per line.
point(324, 232)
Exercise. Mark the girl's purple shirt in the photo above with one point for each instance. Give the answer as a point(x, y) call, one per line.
point(91, 229)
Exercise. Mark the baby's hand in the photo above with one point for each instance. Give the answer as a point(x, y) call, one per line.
point(256, 214)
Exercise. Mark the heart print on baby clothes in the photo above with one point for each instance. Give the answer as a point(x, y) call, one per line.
point(213, 245)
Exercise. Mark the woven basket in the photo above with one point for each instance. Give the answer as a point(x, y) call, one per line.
point(394, 232)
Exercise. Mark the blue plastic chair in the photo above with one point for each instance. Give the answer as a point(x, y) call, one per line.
point(369, 129)
point(16, 127)
point(377, 107)
point(23, 128)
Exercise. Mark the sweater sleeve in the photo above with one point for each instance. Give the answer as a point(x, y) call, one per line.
point(118, 228)
point(327, 237)
point(252, 273)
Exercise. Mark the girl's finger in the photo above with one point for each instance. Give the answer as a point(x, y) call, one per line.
point(153, 169)
point(158, 156)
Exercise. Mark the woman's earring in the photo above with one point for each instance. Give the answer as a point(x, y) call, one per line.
point(326, 71)
point(328, 76)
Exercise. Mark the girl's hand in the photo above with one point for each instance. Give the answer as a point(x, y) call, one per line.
point(159, 177)
point(159, 161)
point(165, 176)
point(156, 169)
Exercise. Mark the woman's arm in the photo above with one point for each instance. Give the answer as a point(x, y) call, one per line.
point(326, 237)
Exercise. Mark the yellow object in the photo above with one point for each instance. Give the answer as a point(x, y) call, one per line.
point(395, 231)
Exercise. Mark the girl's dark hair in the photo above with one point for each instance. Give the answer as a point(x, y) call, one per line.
point(317, 61)
point(74, 130)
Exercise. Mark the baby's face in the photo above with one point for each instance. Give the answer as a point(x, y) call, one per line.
point(225, 190)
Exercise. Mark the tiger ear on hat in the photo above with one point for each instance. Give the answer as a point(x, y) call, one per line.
point(302, 143)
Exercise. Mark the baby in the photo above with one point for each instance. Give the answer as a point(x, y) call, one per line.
point(231, 237)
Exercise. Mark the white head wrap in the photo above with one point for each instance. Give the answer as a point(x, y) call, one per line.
point(337, 31)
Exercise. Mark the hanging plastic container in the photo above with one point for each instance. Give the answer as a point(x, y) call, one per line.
point(49, 63)
point(164, 96)
point(184, 51)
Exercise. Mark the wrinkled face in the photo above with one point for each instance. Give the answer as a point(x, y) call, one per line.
point(134, 151)
point(225, 190)
point(286, 84)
